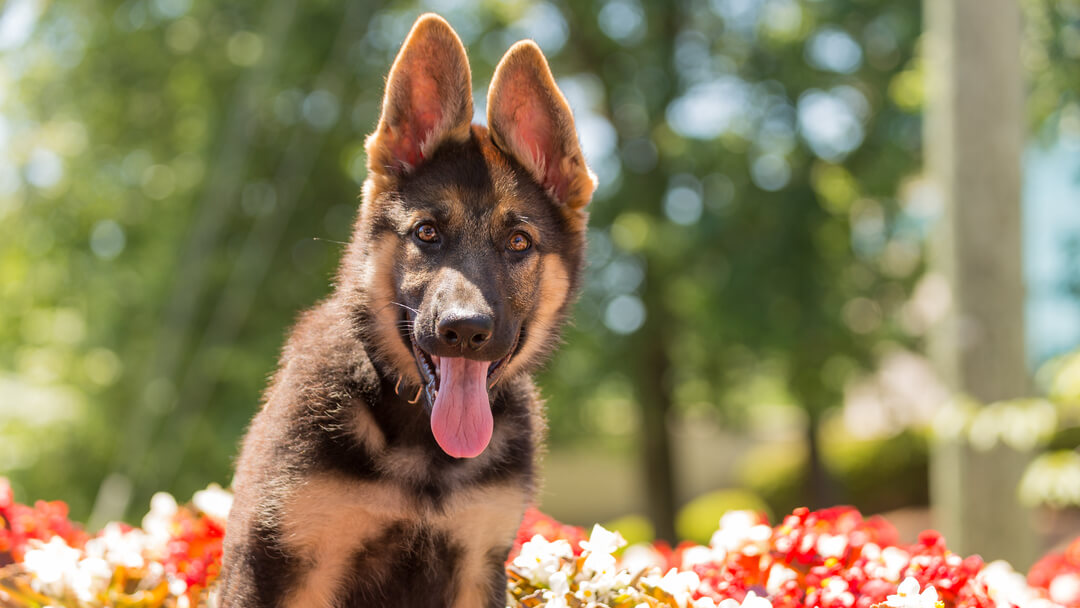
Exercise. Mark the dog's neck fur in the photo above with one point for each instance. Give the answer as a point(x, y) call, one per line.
point(359, 426)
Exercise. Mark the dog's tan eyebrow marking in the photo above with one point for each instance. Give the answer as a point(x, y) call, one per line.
point(513, 218)
point(439, 213)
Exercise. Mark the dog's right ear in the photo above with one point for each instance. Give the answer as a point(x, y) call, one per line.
point(428, 99)
point(530, 120)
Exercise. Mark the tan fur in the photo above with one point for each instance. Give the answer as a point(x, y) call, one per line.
point(366, 430)
point(554, 287)
point(332, 518)
point(381, 297)
point(480, 520)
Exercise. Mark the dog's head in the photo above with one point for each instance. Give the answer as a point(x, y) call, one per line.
point(471, 240)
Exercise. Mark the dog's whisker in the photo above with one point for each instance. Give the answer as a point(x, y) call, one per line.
point(385, 305)
point(417, 397)
point(405, 307)
point(397, 386)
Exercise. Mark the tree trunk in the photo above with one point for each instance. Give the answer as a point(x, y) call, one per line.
point(974, 138)
point(819, 489)
point(654, 399)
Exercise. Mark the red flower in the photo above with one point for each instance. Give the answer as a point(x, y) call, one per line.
point(535, 522)
point(194, 551)
point(20, 523)
point(933, 564)
point(1057, 575)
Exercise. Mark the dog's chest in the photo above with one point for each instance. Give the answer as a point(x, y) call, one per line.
point(364, 539)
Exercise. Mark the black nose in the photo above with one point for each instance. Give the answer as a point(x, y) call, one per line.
point(472, 330)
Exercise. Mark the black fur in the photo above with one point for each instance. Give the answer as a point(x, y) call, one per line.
point(341, 435)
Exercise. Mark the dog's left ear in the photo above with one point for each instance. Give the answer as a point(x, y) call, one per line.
point(529, 119)
point(428, 99)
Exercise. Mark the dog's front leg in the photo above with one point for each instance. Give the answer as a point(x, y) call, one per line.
point(486, 586)
point(258, 572)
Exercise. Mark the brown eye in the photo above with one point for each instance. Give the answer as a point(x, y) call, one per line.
point(427, 233)
point(518, 242)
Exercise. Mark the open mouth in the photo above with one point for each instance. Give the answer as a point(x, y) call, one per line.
point(428, 365)
point(457, 396)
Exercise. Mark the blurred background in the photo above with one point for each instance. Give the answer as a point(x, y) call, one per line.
point(757, 330)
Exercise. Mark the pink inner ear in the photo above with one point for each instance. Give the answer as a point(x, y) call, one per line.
point(531, 128)
point(417, 122)
point(531, 132)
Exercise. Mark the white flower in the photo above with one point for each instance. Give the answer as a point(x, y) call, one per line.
point(599, 548)
point(540, 559)
point(602, 540)
point(885, 564)
point(1003, 584)
point(600, 586)
point(52, 564)
point(895, 561)
point(1065, 588)
point(750, 601)
point(158, 522)
point(741, 531)
point(59, 570)
point(643, 556)
point(778, 575)
point(836, 591)
point(753, 601)
point(91, 578)
point(693, 556)
point(908, 596)
point(560, 586)
point(559, 583)
point(679, 585)
point(1007, 587)
point(829, 545)
point(177, 586)
point(214, 501)
point(120, 548)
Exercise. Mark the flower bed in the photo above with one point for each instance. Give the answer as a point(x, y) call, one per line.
point(832, 558)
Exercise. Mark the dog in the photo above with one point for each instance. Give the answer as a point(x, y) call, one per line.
point(394, 454)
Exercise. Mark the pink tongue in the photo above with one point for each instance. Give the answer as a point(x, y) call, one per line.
point(461, 415)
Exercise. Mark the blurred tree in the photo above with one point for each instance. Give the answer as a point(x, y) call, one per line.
point(175, 176)
point(749, 154)
point(1050, 56)
point(975, 145)
point(757, 201)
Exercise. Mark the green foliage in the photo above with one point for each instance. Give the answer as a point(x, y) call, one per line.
point(1047, 427)
point(881, 474)
point(634, 528)
point(774, 471)
point(874, 475)
point(1052, 479)
point(177, 176)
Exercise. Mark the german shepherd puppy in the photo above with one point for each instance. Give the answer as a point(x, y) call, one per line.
point(394, 455)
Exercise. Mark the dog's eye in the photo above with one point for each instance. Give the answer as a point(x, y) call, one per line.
point(427, 233)
point(519, 241)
